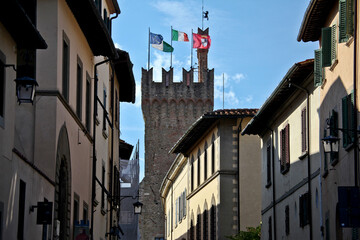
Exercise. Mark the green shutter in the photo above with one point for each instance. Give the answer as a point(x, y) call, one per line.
point(345, 120)
point(326, 46)
point(317, 68)
point(351, 122)
point(333, 43)
point(346, 21)
point(349, 18)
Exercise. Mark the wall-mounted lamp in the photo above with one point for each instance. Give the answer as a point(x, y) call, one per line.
point(25, 89)
point(331, 144)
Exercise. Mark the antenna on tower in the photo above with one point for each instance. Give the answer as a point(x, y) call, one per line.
point(204, 14)
point(223, 91)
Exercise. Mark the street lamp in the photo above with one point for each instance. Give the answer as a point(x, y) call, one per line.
point(137, 207)
point(331, 144)
point(25, 89)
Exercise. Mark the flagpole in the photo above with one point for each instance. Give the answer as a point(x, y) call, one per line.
point(191, 50)
point(171, 46)
point(149, 51)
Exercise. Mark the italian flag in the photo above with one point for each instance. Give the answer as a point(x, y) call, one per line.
point(163, 46)
point(179, 36)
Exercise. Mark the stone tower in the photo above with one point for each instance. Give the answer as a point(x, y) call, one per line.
point(168, 109)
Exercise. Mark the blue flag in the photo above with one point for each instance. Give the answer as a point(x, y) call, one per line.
point(155, 38)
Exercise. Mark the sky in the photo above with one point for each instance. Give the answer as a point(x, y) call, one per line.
point(253, 45)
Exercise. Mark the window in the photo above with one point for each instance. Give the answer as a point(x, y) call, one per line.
point(285, 149)
point(328, 46)
point(198, 168)
point(287, 221)
point(76, 209)
point(184, 203)
point(79, 77)
point(104, 110)
point(347, 119)
point(268, 165)
point(21, 214)
point(116, 192)
point(88, 103)
point(65, 67)
point(2, 88)
point(304, 209)
point(192, 173)
point(346, 20)
point(205, 161)
point(213, 154)
point(168, 223)
point(212, 223)
point(176, 212)
point(325, 159)
point(303, 131)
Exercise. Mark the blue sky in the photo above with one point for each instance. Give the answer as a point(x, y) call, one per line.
point(253, 43)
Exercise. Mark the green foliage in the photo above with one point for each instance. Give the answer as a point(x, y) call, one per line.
point(251, 233)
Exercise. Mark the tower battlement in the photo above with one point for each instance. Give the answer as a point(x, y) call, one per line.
point(186, 89)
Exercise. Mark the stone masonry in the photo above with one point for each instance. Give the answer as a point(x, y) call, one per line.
point(168, 109)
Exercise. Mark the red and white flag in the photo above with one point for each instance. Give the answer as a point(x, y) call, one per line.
point(201, 41)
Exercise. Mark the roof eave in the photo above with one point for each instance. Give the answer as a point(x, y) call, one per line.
point(93, 27)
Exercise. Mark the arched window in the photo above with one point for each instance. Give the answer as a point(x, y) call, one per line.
point(205, 161)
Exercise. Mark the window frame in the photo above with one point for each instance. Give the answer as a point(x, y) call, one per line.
point(79, 87)
point(2, 88)
point(88, 102)
point(347, 120)
point(65, 67)
point(285, 149)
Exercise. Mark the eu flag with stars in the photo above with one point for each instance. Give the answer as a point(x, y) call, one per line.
point(155, 38)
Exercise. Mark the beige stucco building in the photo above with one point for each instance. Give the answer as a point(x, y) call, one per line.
point(60, 148)
point(201, 194)
point(288, 124)
point(335, 25)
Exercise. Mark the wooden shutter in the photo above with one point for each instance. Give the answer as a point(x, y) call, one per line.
point(333, 43)
point(346, 21)
point(282, 150)
point(317, 68)
point(326, 46)
point(287, 142)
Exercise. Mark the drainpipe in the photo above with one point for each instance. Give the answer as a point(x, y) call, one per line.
point(356, 152)
point(93, 182)
point(308, 156)
point(273, 179)
point(238, 171)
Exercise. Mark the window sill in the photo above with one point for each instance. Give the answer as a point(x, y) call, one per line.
point(349, 41)
point(268, 185)
point(103, 212)
point(104, 133)
point(284, 171)
point(96, 202)
point(326, 172)
point(332, 67)
point(303, 155)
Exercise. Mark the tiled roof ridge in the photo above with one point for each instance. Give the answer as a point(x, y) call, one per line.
point(232, 112)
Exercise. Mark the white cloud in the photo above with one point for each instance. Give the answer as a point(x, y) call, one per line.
point(224, 89)
point(162, 60)
point(138, 94)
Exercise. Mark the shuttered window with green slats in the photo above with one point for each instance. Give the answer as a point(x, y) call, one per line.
point(317, 68)
point(347, 119)
point(346, 20)
point(328, 45)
